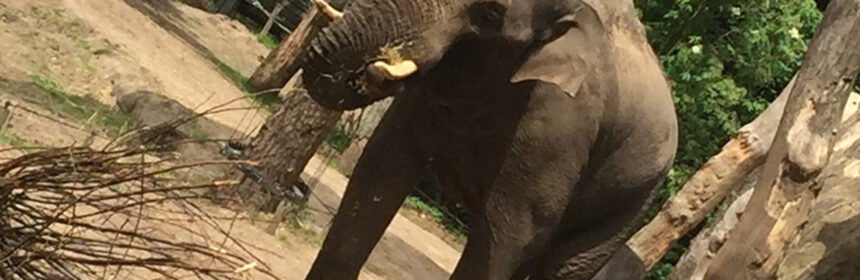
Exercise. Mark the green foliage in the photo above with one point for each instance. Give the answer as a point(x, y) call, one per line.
point(339, 139)
point(726, 61)
point(438, 216)
point(119, 188)
point(268, 41)
point(241, 81)
point(295, 217)
point(81, 108)
point(12, 140)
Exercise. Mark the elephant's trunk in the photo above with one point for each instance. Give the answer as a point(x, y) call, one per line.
point(335, 70)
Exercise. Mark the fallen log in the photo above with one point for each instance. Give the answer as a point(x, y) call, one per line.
point(710, 185)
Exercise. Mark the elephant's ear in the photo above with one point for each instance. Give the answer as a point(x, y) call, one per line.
point(569, 60)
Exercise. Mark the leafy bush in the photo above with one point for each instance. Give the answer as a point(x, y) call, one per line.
point(339, 139)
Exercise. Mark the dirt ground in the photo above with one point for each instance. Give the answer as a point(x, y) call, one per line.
point(99, 49)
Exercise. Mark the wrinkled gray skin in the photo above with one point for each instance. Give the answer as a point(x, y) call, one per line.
point(550, 120)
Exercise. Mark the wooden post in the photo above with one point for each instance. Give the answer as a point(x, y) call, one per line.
point(800, 151)
point(277, 68)
point(273, 16)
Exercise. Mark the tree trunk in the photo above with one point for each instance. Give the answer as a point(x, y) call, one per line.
point(710, 185)
point(704, 247)
point(277, 68)
point(694, 263)
point(291, 136)
point(828, 247)
point(286, 142)
point(800, 150)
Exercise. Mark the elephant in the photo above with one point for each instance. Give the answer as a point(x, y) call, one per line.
point(550, 121)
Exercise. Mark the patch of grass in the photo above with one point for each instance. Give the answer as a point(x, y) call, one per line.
point(267, 40)
point(119, 188)
point(84, 109)
point(13, 140)
point(339, 139)
point(199, 134)
point(268, 101)
point(329, 161)
point(295, 217)
point(438, 216)
point(233, 75)
point(56, 20)
point(294, 225)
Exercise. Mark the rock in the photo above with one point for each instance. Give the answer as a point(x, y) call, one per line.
point(101, 46)
point(159, 115)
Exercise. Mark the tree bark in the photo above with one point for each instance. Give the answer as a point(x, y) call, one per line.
point(289, 137)
point(828, 247)
point(704, 247)
point(694, 263)
point(801, 149)
point(277, 68)
point(286, 142)
point(710, 185)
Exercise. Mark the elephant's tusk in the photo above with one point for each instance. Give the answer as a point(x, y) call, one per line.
point(327, 9)
point(398, 71)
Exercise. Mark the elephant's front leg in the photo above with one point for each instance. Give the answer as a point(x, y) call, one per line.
point(385, 174)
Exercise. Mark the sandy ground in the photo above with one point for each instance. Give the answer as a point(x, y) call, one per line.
point(87, 47)
point(183, 73)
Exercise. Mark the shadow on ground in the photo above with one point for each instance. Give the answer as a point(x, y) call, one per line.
point(166, 15)
point(392, 258)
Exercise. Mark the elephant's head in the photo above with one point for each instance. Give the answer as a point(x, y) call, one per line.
point(381, 47)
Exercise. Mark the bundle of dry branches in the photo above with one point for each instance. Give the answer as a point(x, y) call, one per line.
point(81, 213)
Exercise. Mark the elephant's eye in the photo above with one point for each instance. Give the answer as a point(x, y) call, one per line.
point(487, 16)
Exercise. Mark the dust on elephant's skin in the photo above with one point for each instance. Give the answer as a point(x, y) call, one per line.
point(550, 120)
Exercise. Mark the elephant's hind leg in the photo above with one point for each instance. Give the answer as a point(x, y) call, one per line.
point(508, 239)
point(494, 255)
point(572, 260)
point(584, 250)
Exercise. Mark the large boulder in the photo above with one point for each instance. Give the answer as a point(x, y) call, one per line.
point(159, 116)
